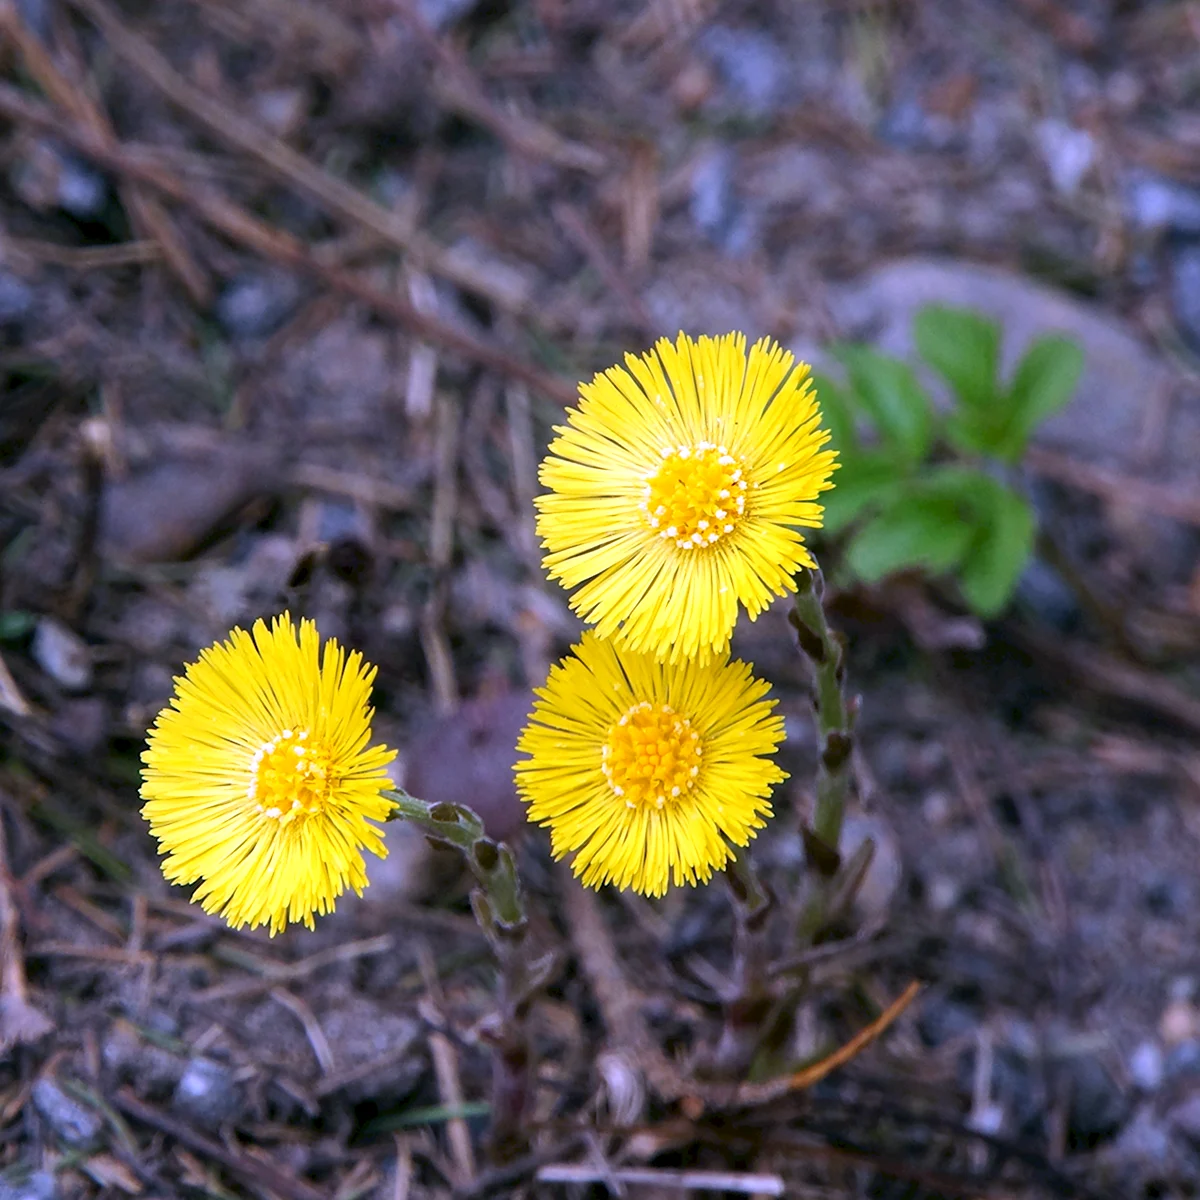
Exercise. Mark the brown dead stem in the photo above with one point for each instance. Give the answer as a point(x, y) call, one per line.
point(147, 213)
point(337, 198)
point(20, 1022)
point(239, 226)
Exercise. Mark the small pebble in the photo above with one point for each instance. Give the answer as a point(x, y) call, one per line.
point(936, 809)
point(753, 65)
point(1184, 1119)
point(441, 14)
point(82, 192)
point(1183, 1060)
point(942, 893)
point(207, 1093)
point(62, 654)
point(1067, 152)
point(16, 299)
point(36, 14)
point(1178, 1023)
point(1043, 592)
point(942, 1020)
point(74, 1123)
point(37, 1185)
point(1185, 291)
point(1097, 1106)
point(257, 303)
point(1147, 1066)
point(712, 199)
point(1154, 203)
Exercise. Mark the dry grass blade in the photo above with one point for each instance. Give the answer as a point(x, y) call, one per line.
point(146, 211)
point(338, 198)
point(255, 1171)
point(239, 226)
point(764, 1093)
point(657, 1177)
point(459, 89)
point(1113, 486)
point(20, 1022)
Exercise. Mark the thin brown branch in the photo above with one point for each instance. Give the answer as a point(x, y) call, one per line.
point(147, 213)
point(231, 128)
point(1183, 504)
point(239, 226)
point(256, 1171)
point(585, 239)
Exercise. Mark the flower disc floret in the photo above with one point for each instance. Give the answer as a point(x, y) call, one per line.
point(651, 755)
point(677, 490)
point(648, 771)
point(696, 497)
point(258, 778)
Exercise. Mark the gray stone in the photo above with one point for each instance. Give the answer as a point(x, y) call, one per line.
point(36, 15)
point(73, 1122)
point(34, 1185)
point(441, 14)
point(752, 64)
point(943, 1020)
point(1146, 1066)
point(257, 303)
point(1183, 1060)
point(207, 1093)
point(1097, 1105)
point(1145, 1140)
point(1121, 378)
point(82, 191)
point(1044, 592)
point(1185, 291)
point(1154, 203)
point(62, 654)
point(16, 299)
point(1067, 152)
point(1184, 1119)
point(712, 200)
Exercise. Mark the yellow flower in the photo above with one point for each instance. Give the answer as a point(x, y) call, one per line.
point(648, 770)
point(258, 780)
point(676, 490)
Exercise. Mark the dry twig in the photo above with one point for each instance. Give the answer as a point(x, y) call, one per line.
point(20, 1022)
point(239, 226)
point(146, 211)
point(222, 122)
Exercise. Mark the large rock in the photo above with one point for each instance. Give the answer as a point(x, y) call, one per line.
point(1122, 379)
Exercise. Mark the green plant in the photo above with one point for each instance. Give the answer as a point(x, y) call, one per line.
point(933, 490)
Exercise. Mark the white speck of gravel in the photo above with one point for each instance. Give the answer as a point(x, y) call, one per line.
point(1146, 1066)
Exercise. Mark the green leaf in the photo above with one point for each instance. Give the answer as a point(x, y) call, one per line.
point(431, 1114)
point(972, 431)
point(1003, 543)
point(15, 623)
point(837, 415)
point(891, 396)
point(866, 480)
point(1044, 381)
point(964, 348)
point(920, 529)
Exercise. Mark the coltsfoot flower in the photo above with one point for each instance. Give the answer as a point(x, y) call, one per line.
point(677, 489)
point(647, 771)
point(258, 779)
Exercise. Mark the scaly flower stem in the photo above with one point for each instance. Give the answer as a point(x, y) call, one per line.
point(499, 908)
point(835, 734)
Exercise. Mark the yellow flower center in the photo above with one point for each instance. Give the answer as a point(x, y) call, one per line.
point(697, 495)
point(652, 755)
point(289, 776)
